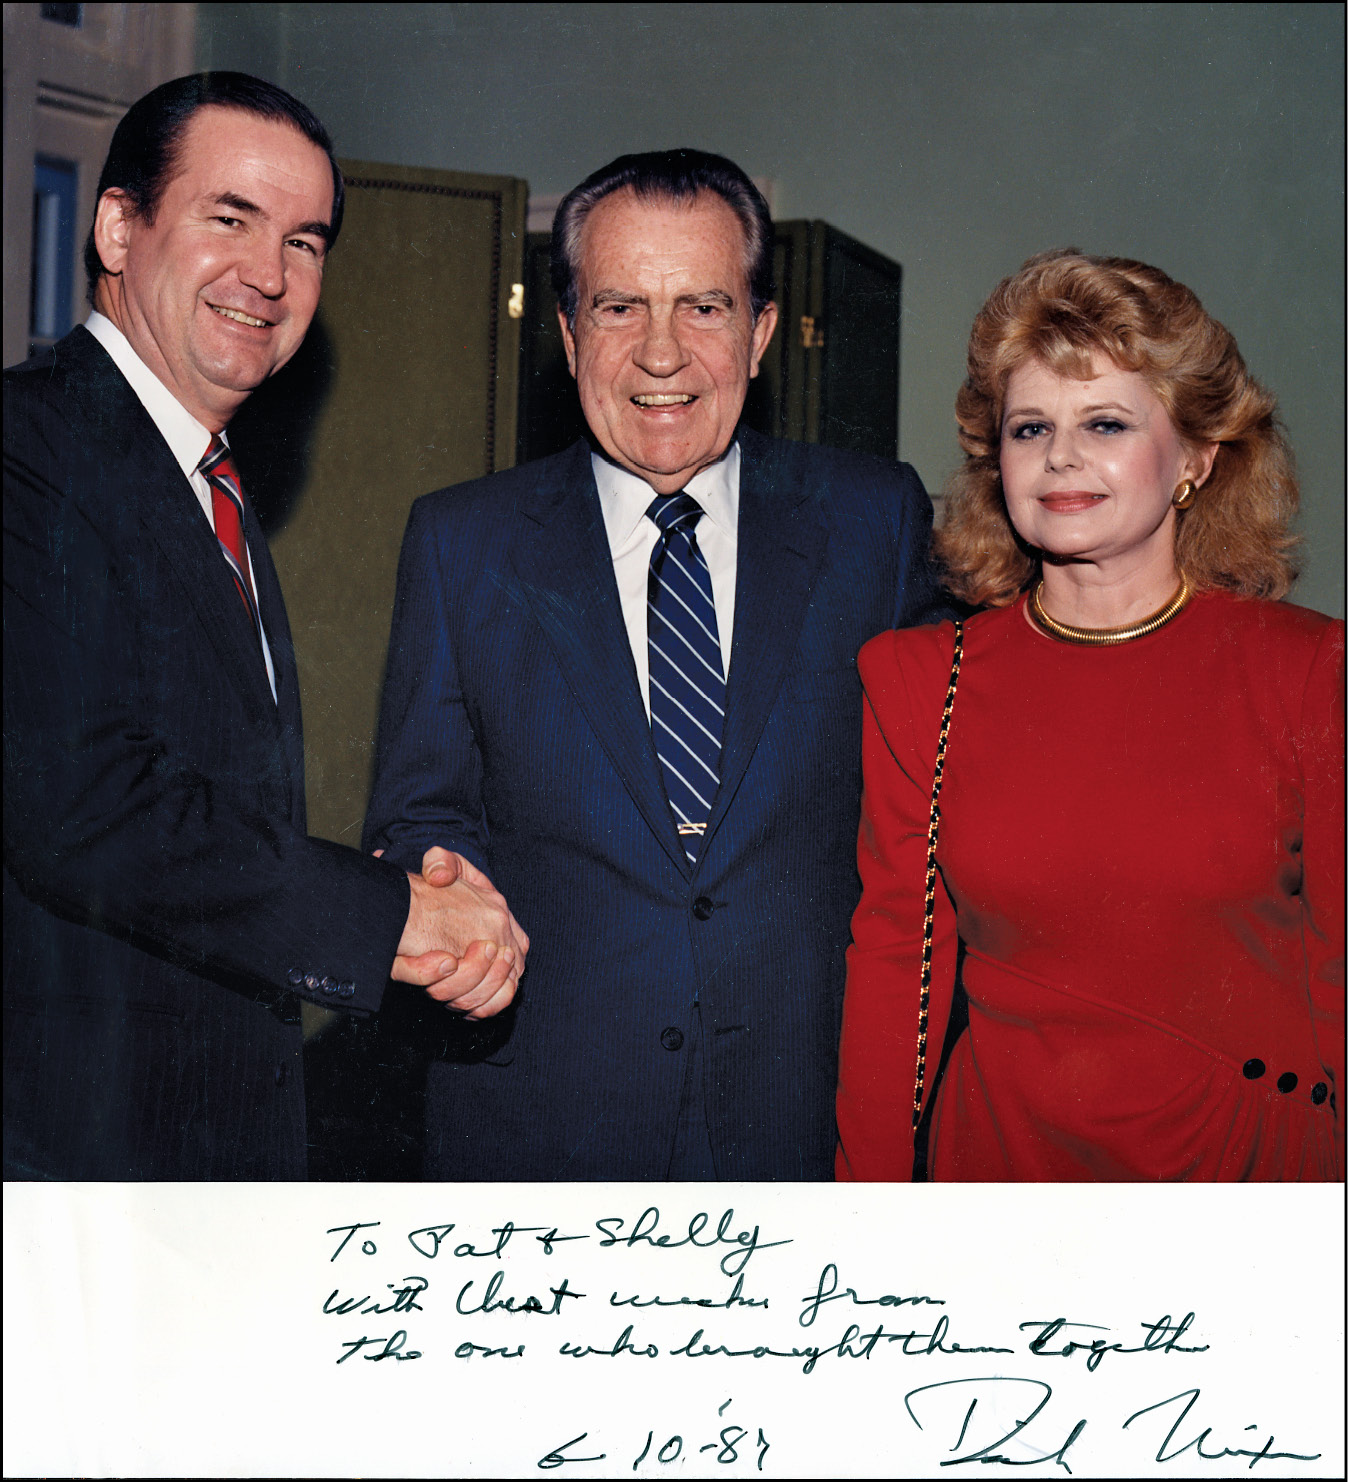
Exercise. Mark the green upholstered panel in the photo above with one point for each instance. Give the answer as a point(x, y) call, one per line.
point(408, 382)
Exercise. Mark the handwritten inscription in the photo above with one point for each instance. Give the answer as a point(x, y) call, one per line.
point(731, 1445)
point(1164, 1334)
point(489, 1302)
point(675, 1331)
point(989, 1407)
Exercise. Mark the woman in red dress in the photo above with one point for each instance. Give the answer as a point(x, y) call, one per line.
point(1141, 816)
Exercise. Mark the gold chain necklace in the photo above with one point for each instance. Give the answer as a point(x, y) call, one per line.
point(1107, 637)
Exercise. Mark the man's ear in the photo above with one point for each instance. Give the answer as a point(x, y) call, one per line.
point(112, 229)
point(569, 340)
point(767, 322)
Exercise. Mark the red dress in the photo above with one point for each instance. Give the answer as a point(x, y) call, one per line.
point(1142, 850)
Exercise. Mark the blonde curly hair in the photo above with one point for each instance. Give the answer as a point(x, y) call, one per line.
point(1060, 309)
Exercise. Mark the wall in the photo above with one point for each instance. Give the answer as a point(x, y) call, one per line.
point(958, 139)
point(65, 88)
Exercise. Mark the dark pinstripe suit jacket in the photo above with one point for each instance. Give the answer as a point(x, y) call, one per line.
point(159, 889)
point(513, 730)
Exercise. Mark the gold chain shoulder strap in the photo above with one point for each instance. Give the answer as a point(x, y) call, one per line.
point(929, 902)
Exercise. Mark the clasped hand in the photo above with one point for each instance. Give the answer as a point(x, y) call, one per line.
point(461, 942)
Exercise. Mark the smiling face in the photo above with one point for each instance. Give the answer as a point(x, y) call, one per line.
point(217, 292)
point(1089, 468)
point(664, 343)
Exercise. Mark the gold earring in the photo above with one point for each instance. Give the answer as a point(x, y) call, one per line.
point(1185, 494)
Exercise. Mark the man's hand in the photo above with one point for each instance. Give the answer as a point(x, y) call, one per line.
point(460, 943)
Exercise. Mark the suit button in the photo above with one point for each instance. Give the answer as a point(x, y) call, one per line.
point(1287, 1081)
point(1318, 1092)
point(1252, 1069)
point(294, 977)
point(672, 1038)
point(329, 985)
point(347, 989)
point(282, 1074)
point(312, 982)
point(703, 906)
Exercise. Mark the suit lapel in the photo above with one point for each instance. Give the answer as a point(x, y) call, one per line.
point(176, 522)
point(563, 560)
point(780, 545)
point(169, 511)
point(272, 608)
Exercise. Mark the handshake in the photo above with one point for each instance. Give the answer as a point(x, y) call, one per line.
point(460, 943)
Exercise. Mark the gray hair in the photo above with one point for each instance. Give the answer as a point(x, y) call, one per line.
point(674, 175)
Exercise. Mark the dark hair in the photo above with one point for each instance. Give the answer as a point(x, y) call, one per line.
point(675, 175)
point(1060, 309)
point(144, 154)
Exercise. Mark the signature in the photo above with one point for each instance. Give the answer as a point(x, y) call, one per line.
point(994, 1396)
point(1190, 1398)
point(992, 1429)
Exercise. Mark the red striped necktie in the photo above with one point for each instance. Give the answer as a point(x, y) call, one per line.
point(217, 467)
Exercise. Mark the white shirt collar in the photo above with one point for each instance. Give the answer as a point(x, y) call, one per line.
point(625, 498)
point(187, 438)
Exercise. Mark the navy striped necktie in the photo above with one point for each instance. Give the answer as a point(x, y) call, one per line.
point(217, 467)
point(687, 679)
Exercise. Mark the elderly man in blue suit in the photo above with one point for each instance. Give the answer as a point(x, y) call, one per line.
point(621, 682)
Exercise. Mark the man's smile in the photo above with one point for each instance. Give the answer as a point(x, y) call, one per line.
point(240, 317)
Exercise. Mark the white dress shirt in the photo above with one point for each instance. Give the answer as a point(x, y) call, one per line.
point(624, 499)
point(188, 440)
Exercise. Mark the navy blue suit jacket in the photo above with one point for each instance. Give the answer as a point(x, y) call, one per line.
point(513, 731)
point(161, 897)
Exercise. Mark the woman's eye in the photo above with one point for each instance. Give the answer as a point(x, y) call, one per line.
point(1026, 431)
point(1107, 425)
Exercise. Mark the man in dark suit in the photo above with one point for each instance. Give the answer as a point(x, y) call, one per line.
point(164, 911)
point(622, 681)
